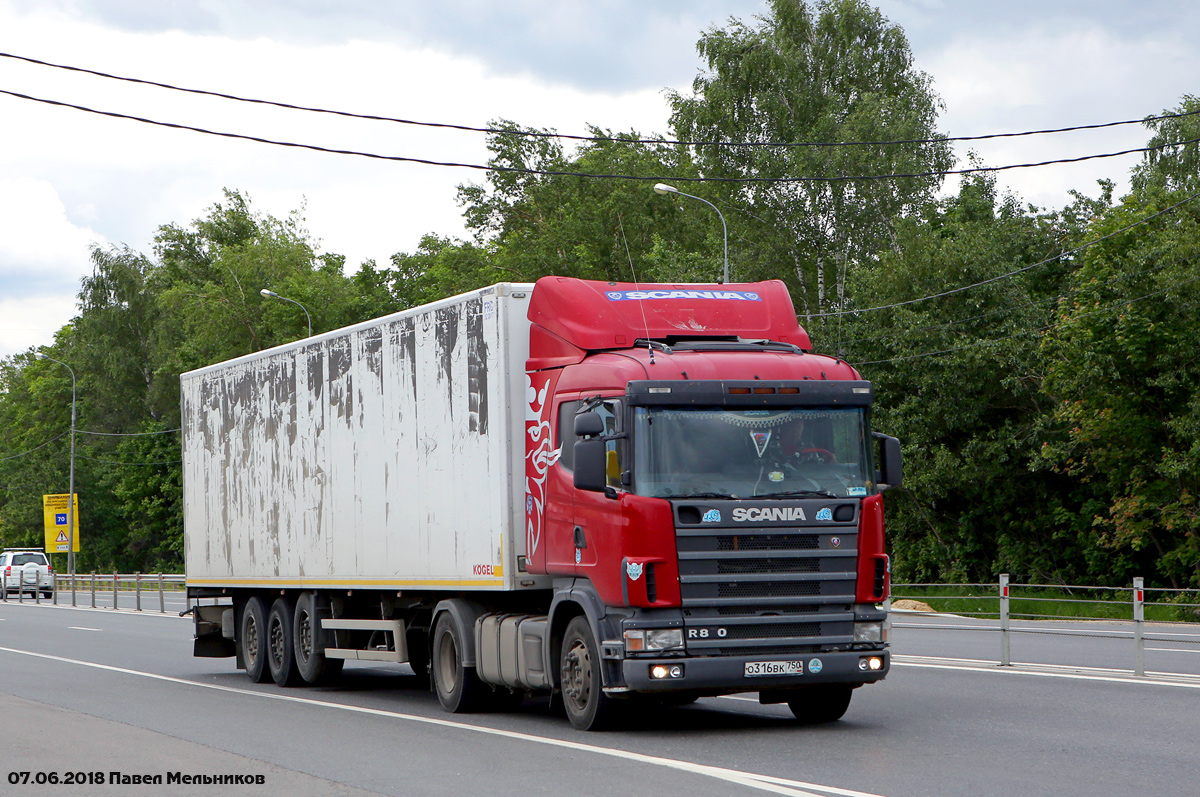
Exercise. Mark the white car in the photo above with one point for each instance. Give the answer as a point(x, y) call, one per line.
point(23, 570)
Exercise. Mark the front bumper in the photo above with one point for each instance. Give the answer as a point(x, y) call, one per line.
point(727, 674)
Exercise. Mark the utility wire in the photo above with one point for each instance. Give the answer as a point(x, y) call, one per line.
point(556, 173)
point(110, 462)
point(30, 451)
point(127, 434)
point(1106, 308)
point(566, 136)
point(1014, 308)
point(1021, 270)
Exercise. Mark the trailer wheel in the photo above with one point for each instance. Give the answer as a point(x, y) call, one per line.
point(252, 638)
point(817, 704)
point(309, 643)
point(281, 658)
point(587, 707)
point(458, 688)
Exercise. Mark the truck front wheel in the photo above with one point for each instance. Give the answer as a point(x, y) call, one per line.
point(252, 637)
point(817, 704)
point(458, 688)
point(587, 707)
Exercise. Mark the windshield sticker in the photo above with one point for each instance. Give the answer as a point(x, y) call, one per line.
point(775, 475)
point(744, 296)
point(856, 491)
point(760, 441)
point(711, 516)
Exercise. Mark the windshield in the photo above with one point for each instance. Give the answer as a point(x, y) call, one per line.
point(720, 452)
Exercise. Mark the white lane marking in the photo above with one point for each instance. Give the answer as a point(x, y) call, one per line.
point(1050, 671)
point(793, 788)
point(1173, 650)
point(82, 628)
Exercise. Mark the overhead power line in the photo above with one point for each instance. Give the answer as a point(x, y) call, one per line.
point(1014, 273)
point(567, 136)
point(127, 434)
point(1106, 308)
point(32, 450)
point(565, 173)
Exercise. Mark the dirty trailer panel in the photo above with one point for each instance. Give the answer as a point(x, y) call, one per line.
point(380, 455)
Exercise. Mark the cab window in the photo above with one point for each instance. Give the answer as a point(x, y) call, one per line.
point(610, 411)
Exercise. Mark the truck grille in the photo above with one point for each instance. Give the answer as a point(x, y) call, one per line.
point(774, 590)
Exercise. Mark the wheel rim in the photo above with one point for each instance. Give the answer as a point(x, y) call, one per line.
point(304, 637)
point(577, 675)
point(251, 641)
point(447, 663)
point(276, 640)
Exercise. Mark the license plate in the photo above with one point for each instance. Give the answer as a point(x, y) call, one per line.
point(774, 668)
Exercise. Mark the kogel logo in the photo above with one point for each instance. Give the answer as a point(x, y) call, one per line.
point(760, 514)
point(746, 296)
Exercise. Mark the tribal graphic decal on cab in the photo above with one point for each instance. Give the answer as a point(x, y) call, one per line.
point(540, 454)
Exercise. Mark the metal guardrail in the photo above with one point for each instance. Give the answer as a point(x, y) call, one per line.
point(1003, 595)
point(140, 585)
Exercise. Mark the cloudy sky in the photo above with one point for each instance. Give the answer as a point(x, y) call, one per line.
point(70, 179)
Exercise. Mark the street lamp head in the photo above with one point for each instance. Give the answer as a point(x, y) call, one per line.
point(663, 188)
point(268, 293)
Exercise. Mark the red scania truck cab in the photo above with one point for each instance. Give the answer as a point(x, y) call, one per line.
point(706, 489)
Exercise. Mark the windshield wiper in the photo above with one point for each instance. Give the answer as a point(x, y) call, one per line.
point(700, 495)
point(812, 493)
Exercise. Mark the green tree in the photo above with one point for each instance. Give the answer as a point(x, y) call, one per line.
point(958, 379)
point(531, 225)
point(813, 78)
point(1123, 371)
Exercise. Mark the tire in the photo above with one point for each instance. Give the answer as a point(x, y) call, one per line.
point(309, 642)
point(584, 701)
point(818, 704)
point(458, 688)
point(252, 640)
point(281, 654)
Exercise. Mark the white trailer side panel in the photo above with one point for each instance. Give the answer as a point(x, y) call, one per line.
point(388, 454)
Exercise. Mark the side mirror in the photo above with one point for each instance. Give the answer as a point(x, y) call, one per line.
point(891, 474)
point(591, 464)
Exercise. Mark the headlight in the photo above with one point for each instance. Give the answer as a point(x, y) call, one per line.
point(868, 632)
point(644, 640)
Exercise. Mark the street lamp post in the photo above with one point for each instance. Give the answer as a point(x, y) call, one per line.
point(663, 188)
point(71, 484)
point(273, 295)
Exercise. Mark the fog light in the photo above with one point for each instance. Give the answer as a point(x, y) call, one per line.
point(663, 672)
point(872, 663)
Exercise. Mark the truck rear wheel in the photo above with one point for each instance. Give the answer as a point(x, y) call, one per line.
point(309, 642)
point(587, 707)
point(458, 688)
point(817, 704)
point(252, 639)
point(281, 658)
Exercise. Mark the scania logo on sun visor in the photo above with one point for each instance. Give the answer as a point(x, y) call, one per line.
point(618, 296)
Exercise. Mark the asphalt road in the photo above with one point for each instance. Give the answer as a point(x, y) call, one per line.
point(92, 691)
